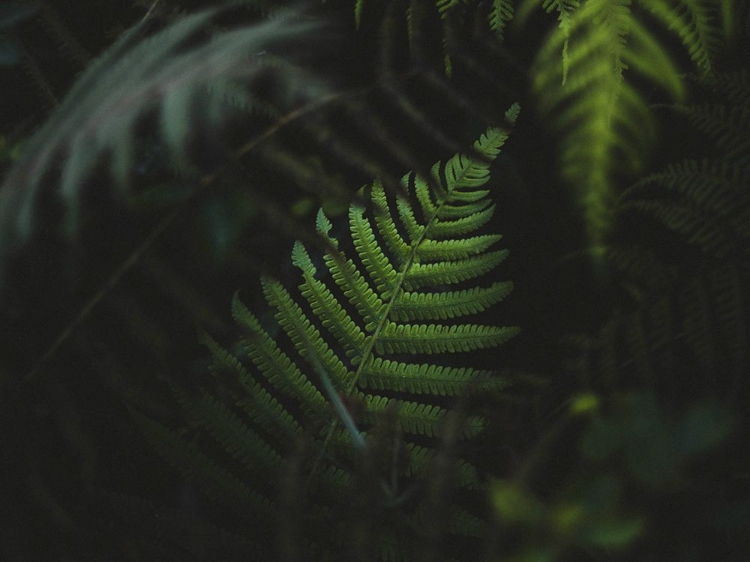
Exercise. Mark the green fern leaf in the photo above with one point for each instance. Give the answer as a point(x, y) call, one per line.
point(346, 331)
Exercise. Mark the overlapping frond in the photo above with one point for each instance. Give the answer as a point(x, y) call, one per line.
point(582, 78)
point(706, 201)
point(695, 21)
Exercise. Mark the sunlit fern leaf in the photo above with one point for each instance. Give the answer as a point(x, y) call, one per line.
point(167, 75)
point(604, 118)
point(356, 325)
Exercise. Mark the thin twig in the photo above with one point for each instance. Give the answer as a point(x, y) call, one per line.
point(111, 282)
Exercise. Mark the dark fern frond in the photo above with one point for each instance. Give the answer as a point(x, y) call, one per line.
point(734, 85)
point(712, 208)
point(726, 124)
point(690, 338)
point(497, 16)
point(706, 201)
point(351, 328)
point(62, 35)
point(690, 286)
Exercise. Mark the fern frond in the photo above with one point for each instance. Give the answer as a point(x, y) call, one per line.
point(432, 338)
point(450, 304)
point(734, 85)
point(345, 331)
point(691, 338)
point(411, 378)
point(199, 467)
point(235, 436)
point(262, 407)
point(706, 201)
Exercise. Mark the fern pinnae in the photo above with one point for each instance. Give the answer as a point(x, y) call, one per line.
point(284, 375)
point(260, 406)
point(694, 22)
point(413, 378)
point(324, 305)
point(450, 304)
point(501, 12)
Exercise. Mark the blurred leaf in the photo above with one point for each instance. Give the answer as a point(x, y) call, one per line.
point(13, 12)
point(702, 428)
point(223, 220)
point(601, 440)
point(602, 493)
point(10, 14)
point(303, 207)
point(514, 504)
point(655, 447)
point(614, 532)
point(9, 51)
point(649, 450)
point(584, 404)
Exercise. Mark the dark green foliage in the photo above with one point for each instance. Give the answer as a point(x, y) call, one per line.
point(329, 432)
point(706, 201)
